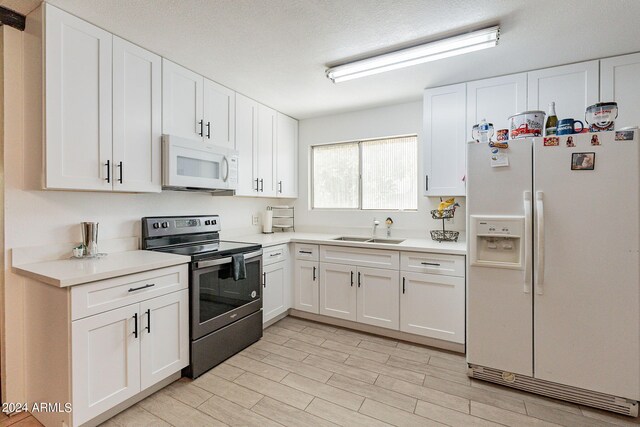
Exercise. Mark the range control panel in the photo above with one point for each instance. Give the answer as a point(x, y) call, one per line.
point(172, 225)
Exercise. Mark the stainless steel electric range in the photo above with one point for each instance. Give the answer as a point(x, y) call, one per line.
point(225, 314)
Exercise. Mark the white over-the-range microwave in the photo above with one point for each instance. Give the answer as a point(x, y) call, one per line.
point(191, 165)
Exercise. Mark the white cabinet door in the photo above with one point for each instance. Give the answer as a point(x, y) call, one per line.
point(274, 290)
point(137, 115)
point(105, 361)
point(572, 87)
point(219, 114)
point(266, 144)
point(164, 336)
point(444, 141)
point(287, 157)
point(338, 291)
point(495, 100)
point(619, 82)
point(78, 85)
point(306, 286)
point(378, 297)
point(247, 145)
point(433, 306)
point(181, 101)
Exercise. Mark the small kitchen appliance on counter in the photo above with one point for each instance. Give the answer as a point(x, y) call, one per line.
point(225, 306)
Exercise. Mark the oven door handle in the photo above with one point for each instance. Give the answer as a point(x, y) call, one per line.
point(226, 260)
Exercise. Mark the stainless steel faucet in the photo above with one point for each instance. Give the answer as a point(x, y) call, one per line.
point(376, 223)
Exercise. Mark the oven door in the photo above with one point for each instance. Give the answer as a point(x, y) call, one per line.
point(197, 165)
point(217, 300)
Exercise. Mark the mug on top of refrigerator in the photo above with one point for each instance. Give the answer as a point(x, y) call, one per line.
point(568, 127)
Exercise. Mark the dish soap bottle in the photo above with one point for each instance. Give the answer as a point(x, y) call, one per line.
point(551, 126)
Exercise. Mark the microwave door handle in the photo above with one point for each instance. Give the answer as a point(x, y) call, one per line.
point(225, 162)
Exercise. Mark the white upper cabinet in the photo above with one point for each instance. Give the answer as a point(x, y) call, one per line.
point(247, 145)
point(287, 157)
point(137, 125)
point(181, 101)
point(444, 141)
point(78, 85)
point(265, 151)
point(572, 87)
point(495, 100)
point(619, 82)
point(197, 108)
point(102, 106)
point(219, 114)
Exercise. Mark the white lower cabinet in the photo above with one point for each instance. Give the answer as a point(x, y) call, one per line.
point(378, 297)
point(274, 290)
point(101, 344)
point(123, 351)
point(164, 337)
point(306, 295)
point(338, 291)
point(105, 361)
point(433, 306)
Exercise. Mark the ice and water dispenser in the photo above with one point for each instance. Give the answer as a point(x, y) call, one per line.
point(497, 241)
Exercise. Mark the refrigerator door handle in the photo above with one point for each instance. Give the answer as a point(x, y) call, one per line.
point(539, 272)
point(527, 241)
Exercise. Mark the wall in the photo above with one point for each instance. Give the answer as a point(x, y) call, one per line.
point(385, 121)
point(33, 217)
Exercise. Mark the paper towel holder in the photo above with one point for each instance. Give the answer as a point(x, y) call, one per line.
point(283, 217)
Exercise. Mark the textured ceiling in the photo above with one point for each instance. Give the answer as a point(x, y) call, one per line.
point(276, 51)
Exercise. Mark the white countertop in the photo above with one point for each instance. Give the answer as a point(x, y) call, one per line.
point(409, 244)
point(69, 272)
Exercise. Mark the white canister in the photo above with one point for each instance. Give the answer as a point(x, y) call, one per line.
point(529, 123)
point(267, 222)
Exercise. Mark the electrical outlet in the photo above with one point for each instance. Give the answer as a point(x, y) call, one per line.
point(254, 219)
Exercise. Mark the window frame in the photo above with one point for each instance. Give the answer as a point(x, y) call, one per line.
point(359, 142)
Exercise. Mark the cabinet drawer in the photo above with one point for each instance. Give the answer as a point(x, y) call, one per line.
point(275, 254)
point(97, 297)
point(308, 252)
point(376, 258)
point(449, 265)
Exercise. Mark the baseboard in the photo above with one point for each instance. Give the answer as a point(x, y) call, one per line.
point(276, 319)
point(132, 401)
point(403, 336)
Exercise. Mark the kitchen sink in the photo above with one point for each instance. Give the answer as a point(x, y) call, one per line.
point(391, 241)
point(352, 239)
point(368, 240)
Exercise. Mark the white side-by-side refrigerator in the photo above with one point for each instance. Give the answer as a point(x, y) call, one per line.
point(553, 267)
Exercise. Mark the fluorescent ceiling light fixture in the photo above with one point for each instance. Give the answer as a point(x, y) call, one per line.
point(452, 46)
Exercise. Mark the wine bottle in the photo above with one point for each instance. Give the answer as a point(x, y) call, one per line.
point(551, 125)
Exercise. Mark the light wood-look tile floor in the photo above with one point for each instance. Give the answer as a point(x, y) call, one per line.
point(304, 373)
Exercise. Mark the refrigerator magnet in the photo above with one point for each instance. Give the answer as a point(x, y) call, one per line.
point(570, 142)
point(499, 158)
point(595, 140)
point(624, 135)
point(551, 141)
point(583, 161)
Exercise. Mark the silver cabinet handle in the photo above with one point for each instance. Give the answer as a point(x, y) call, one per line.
point(279, 186)
point(142, 287)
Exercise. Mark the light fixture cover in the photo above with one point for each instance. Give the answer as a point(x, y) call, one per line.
point(452, 46)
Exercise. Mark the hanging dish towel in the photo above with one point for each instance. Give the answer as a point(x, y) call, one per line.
point(239, 267)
